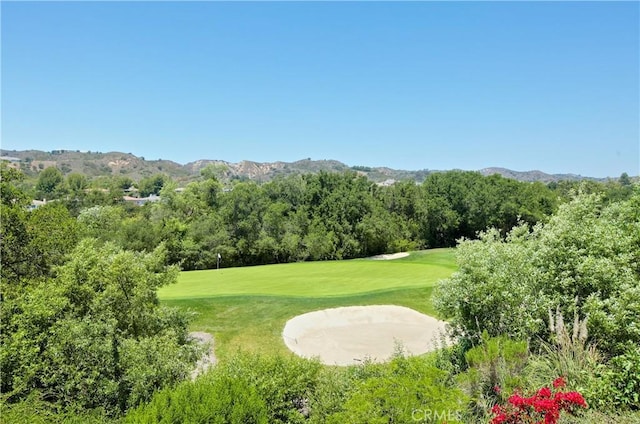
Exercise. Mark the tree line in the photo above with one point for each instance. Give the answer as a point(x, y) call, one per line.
point(320, 216)
point(314, 217)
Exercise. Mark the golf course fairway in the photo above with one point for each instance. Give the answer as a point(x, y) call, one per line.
point(247, 308)
point(315, 279)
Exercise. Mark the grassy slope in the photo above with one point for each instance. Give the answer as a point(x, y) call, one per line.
point(246, 308)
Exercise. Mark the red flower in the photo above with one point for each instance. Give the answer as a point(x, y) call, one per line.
point(542, 408)
point(545, 392)
point(545, 405)
point(575, 398)
point(517, 401)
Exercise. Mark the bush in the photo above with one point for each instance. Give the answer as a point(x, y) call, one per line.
point(95, 336)
point(584, 262)
point(617, 384)
point(213, 398)
point(34, 410)
point(495, 368)
point(283, 382)
point(247, 389)
point(492, 289)
point(407, 390)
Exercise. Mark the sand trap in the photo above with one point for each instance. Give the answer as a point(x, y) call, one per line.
point(345, 336)
point(390, 256)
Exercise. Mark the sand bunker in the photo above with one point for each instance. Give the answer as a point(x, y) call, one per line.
point(390, 256)
point(349, 335)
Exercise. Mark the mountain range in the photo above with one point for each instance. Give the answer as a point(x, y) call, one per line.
point(95, 164)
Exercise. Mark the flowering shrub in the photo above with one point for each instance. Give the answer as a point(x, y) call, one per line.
point(543, 407)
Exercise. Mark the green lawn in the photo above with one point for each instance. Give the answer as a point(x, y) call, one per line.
point(246, 308)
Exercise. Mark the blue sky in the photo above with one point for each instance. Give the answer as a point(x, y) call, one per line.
point(415, 85)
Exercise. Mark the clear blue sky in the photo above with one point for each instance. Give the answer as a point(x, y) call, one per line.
point(414, 85)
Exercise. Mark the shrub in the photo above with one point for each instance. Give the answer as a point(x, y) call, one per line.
point(568, 355)
point(34, 410)
point(246, 389)
point(495, 367)
point(215, 398)
point(617, 384)
point(584, 262)
point(407, 390)
point(284, 383)
point(492, 289)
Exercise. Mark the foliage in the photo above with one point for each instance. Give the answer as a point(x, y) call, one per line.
point(506, 286)
point(491, 291)
point(152, 185)
point(616, 385)
point(591, 416)
point(543, 406)
point(32, 242)
point(569, 355)
point(215, 398)
point(497, 362)
point(325, 216)
point(247, 389)
point(101, 222)
point(50, 183)
point(95, 336)
point(283, 382)
point(34, 410)
point(405, 390)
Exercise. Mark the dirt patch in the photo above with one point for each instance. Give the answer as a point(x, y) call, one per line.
point(209, 358)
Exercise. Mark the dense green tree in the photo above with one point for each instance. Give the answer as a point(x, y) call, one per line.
point(242, 210)
point(32, 242)
point(624, 179)
point(77, 183)
point(50, 182)
point(152, 184)
point(16, 250)
point(95, 336)
point(54, 233)
point(101, 222)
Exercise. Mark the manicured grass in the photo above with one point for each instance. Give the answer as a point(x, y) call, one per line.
point(255, 323)
point(247, 308)
point(315, 279)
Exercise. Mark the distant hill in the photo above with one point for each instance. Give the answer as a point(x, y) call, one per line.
point(531, 176)
point(94, 164)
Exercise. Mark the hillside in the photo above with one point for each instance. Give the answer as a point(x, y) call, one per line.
point(94, 164)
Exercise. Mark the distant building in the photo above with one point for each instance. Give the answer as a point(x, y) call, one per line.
point(35, 204)
point(141, 200)
point(9, 158)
